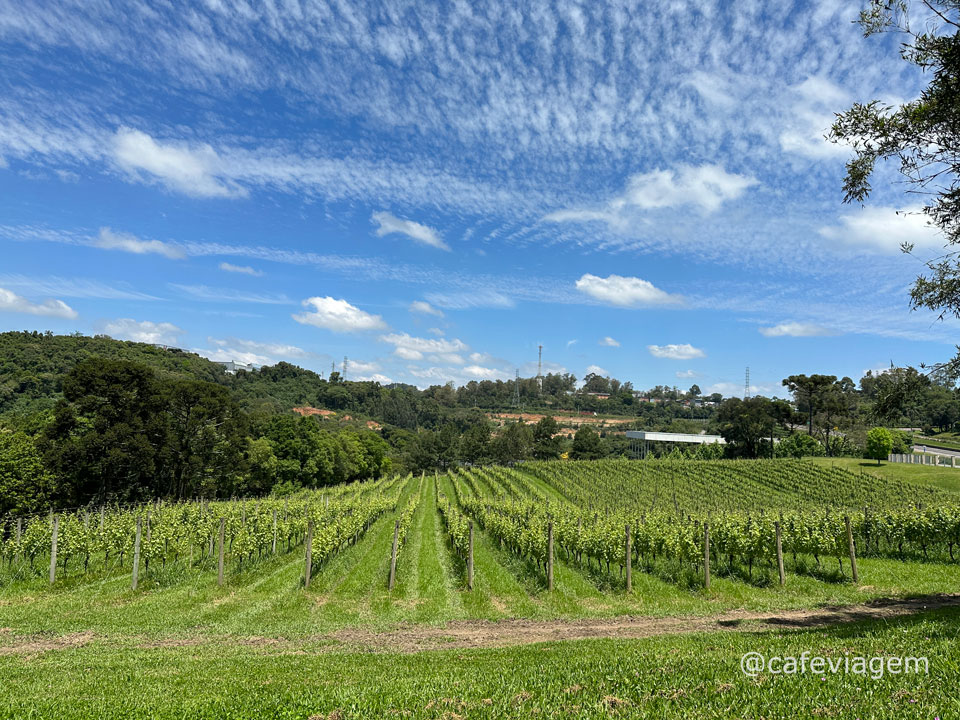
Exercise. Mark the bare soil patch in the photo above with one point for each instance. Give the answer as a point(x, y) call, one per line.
point(507, 633)
point(36, 644)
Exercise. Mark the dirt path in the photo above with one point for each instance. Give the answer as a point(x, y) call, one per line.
point(506, 633)
point(475, 634)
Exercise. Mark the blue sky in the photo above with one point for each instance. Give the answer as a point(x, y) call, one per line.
point(434, 190)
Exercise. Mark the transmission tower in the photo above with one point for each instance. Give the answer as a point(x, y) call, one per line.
point(746, 384)
point(344, 373)
point(516, 390)
point(540, 369)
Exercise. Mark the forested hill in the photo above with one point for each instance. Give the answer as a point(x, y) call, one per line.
point(33, 366)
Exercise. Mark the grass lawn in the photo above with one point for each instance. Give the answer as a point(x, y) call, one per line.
point(674, 676)
point(945, 478)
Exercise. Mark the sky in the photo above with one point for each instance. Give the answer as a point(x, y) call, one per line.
point(433, 191)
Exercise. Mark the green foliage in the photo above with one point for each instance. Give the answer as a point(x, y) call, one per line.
point(879, 444)
point(25, 485)
point(587, 444)
point(799, 445)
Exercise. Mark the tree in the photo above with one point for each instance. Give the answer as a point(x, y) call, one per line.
point(923, 135)
point(109, 435)
point(744, 424)
point(586, 444)
point(25, 485)
point(694, 390)
point(594, 383)
point(513, 443)
point(879, 444)
point(545, 445)
point(809, 392)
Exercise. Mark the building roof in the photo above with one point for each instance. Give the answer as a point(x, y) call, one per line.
point(674, 437)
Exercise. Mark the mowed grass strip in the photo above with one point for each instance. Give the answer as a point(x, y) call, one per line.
point(664, 677)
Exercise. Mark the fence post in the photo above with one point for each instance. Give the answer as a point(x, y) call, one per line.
point(550, 555)
point(470, 557)
point(223, 527)
point(136, 556)
point(53, 549)
point(274, 549)
point(309, 559)
point(19, 530)
point(853, 554)
point(393, 555)
point(706, 556)
point(628, 559)
point(783, 576)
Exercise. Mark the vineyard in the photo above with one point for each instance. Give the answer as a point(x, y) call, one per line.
point(607, 518)
point(540, 543)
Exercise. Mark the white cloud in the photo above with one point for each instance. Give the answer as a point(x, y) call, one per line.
point(191, 171)
point(436, 331)
point(162, 333)
point(609, 342)
point(11, 302)
point(407, 353)
point(387, 224)
point(111, 240)
point(478, 372)
point(242, 269)
point(796, 329)
point(71, 287)
point(570, 343)
point(625, 291)
point(816, 100)
point(375, 377)
point(883, 229)
point(686, 374)
point(596, 370)
point(479, 298)
point(449, 358)
point(409, 347)
point(364, 368)
point(265, 353)
point(226, 295)
point(425, 308)
point(705, 187)
point(338, 316)
point(676, 352)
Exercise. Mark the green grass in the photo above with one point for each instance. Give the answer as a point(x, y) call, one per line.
point(671, 677)
point(950, 440)
point(942, 478)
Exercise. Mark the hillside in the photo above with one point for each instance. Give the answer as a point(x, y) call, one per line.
point(33, 365)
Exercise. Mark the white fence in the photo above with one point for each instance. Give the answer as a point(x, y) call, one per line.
point(915, 459)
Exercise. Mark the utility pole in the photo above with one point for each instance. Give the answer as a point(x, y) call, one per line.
point(540, 369)
point(746, 384)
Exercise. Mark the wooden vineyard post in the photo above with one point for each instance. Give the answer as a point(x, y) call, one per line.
point(309, 559)
point(19, 530)
point(53, 549)
point(393, 556)
point(136, 557)
point(706, 556)
point(853, 553)
point(470, 557)
point(783, 577)
point(223, 527)
point(628, 559)
point(274, 549)
point(550, 555)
